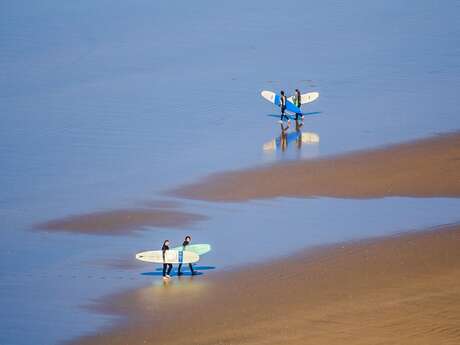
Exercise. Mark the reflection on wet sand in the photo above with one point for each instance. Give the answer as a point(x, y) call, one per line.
point(189, 287)
point(296, 137)
point(422, 168)
point(148, 304)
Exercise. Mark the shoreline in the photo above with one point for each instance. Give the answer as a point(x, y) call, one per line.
point(391, 288)
point(427, 167)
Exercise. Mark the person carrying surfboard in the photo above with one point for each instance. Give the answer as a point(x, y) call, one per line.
point(297, 98)
point(166, 267)
point(187, 241)
point(283, 105)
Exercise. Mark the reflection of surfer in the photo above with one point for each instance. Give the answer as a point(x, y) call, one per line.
point(166, 267)
point(298, 127)
point(284, 137)
point(187, 241)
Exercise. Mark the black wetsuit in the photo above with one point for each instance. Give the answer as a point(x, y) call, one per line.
point(166, 267)
point(283, 106)
point(184, 245)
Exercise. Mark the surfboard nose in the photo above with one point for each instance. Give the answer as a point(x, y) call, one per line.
point(268, 95)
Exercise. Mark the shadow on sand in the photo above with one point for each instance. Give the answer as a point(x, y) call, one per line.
point(159, 271)
point(292, 117)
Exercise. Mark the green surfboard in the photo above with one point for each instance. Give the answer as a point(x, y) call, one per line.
point(199, 249)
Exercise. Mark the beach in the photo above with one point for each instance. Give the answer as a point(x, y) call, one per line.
point(391, 289)
point(127, 124)
point(400, 289)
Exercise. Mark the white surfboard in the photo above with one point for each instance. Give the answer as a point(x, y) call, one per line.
point(171, 257)
point(306, 97)
point(268, 95)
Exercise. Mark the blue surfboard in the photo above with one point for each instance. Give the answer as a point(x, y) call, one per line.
point(289, 106)
point(275, 99)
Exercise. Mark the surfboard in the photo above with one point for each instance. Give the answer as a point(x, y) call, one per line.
point(275, 99)
point(306, 97)
point(171, 257)
point(199, 249)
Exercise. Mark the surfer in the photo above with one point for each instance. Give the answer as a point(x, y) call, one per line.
point(283, 105)
point(166, 267)
point(187, 241)
point(297, 102)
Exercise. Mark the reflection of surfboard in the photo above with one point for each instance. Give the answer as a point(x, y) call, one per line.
point(199, 249)
point(171, 257)
point(306, 137)
point(310, 138)
point(306, 97)
point(275, 99)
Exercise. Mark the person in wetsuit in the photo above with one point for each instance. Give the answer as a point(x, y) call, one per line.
point(283, 105)
point(187, 241)
point(297, 102)
point(166, 267)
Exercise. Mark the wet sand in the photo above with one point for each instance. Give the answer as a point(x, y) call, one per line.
point(394, 290)
point(423, 168)
point(118, 222)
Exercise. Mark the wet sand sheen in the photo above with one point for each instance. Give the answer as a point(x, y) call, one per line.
point(423, 168)
point(122, 221)
point(401, 289)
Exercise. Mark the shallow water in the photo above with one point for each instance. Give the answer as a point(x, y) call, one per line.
point(104, 105)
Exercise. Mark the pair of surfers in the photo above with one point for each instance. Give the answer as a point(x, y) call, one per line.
point(168, 267)
point(297, 102)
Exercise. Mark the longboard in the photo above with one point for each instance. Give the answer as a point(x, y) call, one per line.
point(171, 257)
point(306, 97)
point(275, 99)
point(199, 249)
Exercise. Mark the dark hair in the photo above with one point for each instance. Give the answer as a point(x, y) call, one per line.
point(188, 236)
point(282, 92)
point(164, 243)
point(297, 89)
